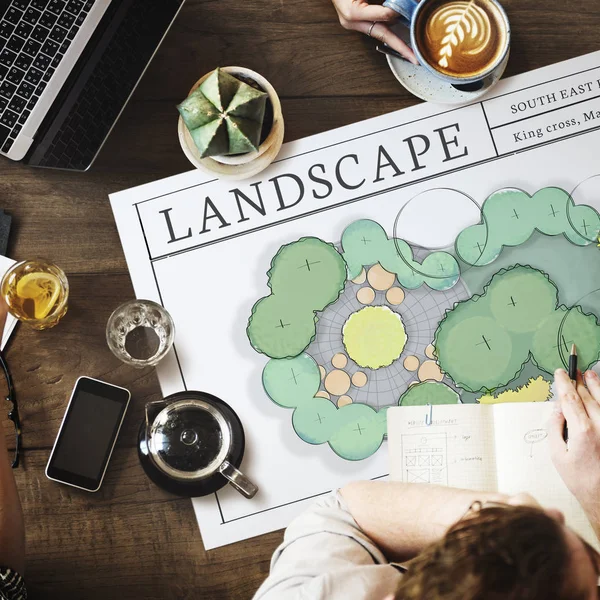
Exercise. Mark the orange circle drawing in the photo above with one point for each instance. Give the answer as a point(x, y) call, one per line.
point(344, 401)
point(411, 363)
point(340, 360)
point(365, 295)
point(361, 277)
point(359, 379)
point(430, 370)
point(395, 295)
point(379, 278)
point(337, 382)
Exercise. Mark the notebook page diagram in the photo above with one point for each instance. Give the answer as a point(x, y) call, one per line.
point(456, 450)
point(425, 457)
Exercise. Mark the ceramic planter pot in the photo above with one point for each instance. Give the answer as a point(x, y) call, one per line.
point(246, 165)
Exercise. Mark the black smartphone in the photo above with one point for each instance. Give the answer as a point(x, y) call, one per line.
point(88, 433)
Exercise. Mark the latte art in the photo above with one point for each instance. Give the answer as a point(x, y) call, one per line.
point(461, 38)
point(467, 30)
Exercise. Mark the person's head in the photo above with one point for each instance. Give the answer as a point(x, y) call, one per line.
point(505, 552)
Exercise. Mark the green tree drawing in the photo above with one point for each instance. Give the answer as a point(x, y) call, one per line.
point(428, 392)
point(552, 341)
point(305, 277)
point(365, 243)
point(354, 431)
point(510, 216)
point(483, 342)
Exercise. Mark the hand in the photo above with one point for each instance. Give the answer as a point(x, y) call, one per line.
point(578, 462)
point(359, 15)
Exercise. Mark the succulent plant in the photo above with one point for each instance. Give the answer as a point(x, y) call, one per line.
point(224, 115)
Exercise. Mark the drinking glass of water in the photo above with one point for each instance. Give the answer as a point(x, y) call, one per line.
point(140, 333)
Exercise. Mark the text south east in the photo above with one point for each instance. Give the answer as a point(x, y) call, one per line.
point(552, 97)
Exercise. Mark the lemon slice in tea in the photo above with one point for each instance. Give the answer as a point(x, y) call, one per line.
point(42, 289)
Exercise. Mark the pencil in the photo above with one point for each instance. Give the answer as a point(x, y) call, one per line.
point(572, 377)
point(573, 363)
point(385, 49)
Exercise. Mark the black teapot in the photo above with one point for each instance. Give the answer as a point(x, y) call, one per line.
point(192, 444)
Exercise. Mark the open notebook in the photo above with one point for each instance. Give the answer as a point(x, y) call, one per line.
point(495, 447)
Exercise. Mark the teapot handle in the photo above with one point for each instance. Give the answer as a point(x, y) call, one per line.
point(238, 480)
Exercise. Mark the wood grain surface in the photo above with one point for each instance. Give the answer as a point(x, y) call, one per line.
point(131, 540)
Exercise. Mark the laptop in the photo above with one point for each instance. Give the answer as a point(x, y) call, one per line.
point(67, 70)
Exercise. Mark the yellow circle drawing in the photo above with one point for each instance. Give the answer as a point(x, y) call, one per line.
point(411, 363)
point(323, 394)
point(380, 279)
point(365, 295)
point(323, 372)
point(430, 351)
point(340, 360)
point(395, 295)
point(337, 382)
point(359, 379)
point(374, 336)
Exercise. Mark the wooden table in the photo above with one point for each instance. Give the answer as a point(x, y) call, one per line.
point(131, 540)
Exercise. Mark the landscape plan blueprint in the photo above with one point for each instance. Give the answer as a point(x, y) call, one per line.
point(432, 255)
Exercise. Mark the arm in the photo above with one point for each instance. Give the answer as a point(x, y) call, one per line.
point(12, 531)
point(578, 461)
point(341, 546)
point(326, 556)
point(404, 518)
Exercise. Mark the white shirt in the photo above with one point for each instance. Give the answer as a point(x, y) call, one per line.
point(325, 555)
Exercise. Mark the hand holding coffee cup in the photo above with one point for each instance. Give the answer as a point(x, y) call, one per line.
point(374, 21)
point(462, 42)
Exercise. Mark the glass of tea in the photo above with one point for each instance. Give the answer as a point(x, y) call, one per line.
point(36, 293)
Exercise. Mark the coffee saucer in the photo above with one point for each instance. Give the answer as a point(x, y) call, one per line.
point(421, 83)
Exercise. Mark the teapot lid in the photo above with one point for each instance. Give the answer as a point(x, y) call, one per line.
point(189, 439)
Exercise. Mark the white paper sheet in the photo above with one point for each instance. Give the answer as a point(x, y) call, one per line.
point(11, 322)
point(208, 268)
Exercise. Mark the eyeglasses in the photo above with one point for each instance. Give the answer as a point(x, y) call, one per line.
point(13, 413)
point(478, 505)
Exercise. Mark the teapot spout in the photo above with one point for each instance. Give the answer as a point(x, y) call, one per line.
point(152, 409)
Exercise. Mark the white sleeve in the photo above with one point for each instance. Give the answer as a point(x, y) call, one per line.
point(325, 555)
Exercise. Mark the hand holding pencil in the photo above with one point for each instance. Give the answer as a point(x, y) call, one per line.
point(578, 463)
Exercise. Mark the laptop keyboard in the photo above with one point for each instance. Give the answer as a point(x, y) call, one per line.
point(34, 36)
point(101, 89)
